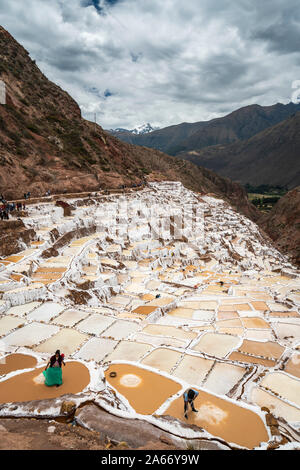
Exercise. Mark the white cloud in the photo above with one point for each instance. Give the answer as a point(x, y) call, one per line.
point(135, 61)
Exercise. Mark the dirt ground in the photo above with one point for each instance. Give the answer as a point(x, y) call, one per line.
point(35, 434)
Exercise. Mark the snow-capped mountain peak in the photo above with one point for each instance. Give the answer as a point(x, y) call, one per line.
point(144, 129)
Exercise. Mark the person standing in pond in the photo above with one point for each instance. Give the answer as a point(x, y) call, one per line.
point(53, 371)
point(189, 396)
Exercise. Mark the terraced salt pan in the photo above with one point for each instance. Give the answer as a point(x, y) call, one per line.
point(193, 369)
point(25, 294)
point(67, 340)
point(135, 288)
point(109, 262)
point(182, 312)
point(217, 345)
point(205, 328)
point(235, 322)
point(129, 351)
point(288, 314)
point(121, 329)
point(162, 359)
point(259, 335)
point(284, 385)
point(95, 324)
point(199, 305)
point(14, 258)
point(96, 349)
point(215, 290)
point(22, 310)
point(9, 323)
point(30, 335)
point(239, 357)
point(234, 307)
point(90, 269)
point(227, 315)
point(293, 365)
point(269, 350)
point(223, 378)
point(231, 331)
point(30, 385)
point(254, 322)
point(13, 362)
point(137, 385)
point(145, 309)
point(171, 331)
point(120, 300)
point(70, 318)
point(276, 307)
point(260, 306)
point(46, 311)
point(278, 407)
point(50, 269)
point(159, 340)
point(223, 418)
point(153, 285)
point(161, 302)
point(287, 331)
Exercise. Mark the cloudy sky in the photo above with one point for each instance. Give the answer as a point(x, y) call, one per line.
point(161, 61)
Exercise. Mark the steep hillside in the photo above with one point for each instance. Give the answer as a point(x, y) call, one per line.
point(46, 144)
point(238, 125)
point(270, 157)
point(283, 223)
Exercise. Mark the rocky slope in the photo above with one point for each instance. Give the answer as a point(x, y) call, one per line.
point(283, 223)
point(31, 434)
point(238, 125)
point(270, 157)
point(14, 234)
point(46, 144)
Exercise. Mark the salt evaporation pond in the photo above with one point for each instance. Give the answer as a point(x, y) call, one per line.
point(30, 386)
point(146, 391)
point(224, 419)
point(216, 309)
point(14, 362)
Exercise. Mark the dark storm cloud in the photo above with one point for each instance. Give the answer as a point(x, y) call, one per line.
point(281, 37)
point(71, 58)
point(163, 62)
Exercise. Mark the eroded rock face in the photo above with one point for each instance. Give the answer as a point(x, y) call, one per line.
point(283, 224)
point(13, 232)
point(136, 433)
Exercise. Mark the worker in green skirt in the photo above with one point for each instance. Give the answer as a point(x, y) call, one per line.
point(53, 371)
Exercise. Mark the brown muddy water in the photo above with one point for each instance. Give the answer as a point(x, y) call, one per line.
point(236, 356)
point(267, 349)
point(144, 309)
point(16, 362)
point(223, 419)
point(145, 390)
point(30, 385)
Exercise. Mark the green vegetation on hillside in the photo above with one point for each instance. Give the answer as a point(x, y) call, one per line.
point(265, 196)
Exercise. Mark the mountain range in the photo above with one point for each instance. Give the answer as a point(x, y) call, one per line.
point(138, 130)
point(269, 157)
point(45, 144)
point(254, 144)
